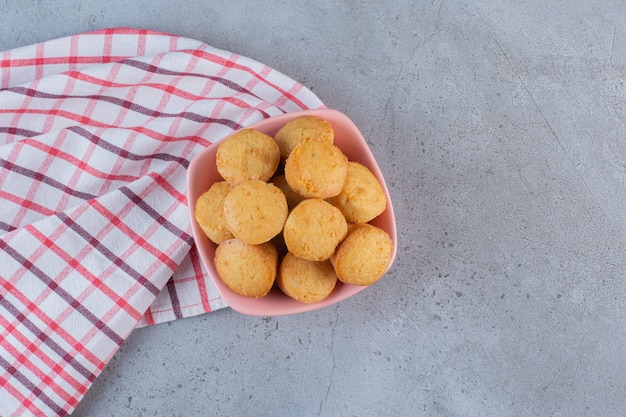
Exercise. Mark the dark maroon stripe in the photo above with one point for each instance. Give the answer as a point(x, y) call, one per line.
point(116, 150)
point(19, 132)
point(127, 105)
point(98, 246)
point(39, 177)
point(110, 333)
point(15, 373)
point(45, 338)
point(141, 203)
point(162, 71)
point(6, 227)
point(171, 290)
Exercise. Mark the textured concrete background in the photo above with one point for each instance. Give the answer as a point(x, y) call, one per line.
point(500, 127)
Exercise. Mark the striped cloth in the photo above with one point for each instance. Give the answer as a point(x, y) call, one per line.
point(96, 133)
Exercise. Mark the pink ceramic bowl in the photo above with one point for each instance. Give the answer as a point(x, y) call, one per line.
point(203, 173)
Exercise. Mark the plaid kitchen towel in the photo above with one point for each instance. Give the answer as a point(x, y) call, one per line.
point(96, 133)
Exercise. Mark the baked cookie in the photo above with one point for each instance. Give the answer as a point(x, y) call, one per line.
point(316, 169)
point(362, 197)
point(306, 281)
point(300, 129)
point(363, 256)
point(313, 229)
point(255, 211)
point(209, 212)
point(248, 270)
point(247, 155)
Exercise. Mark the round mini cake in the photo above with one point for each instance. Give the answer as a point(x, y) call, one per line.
point(293, 198)
point(300, 129)
point(255, 211)
point(248, 270)
point(362, 197)
point(316, 169)
point(279, 243)
point(209, 212)
point(363, 256)
point(247, 155)
point(313, 230)
point(306, 281)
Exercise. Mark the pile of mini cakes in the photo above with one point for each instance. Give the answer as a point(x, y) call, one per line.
point(293, 210)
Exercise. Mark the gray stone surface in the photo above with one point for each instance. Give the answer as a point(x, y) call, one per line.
point(500, 127)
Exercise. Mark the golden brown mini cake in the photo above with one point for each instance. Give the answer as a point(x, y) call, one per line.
point(255, 211)
point(247, 155)
point(248, 270)
point(306, 281)
point(209, 212)
point(300, 129)
point(316, 169)
point(363, 256)
point(362, 197)
point(293, 198)
point(279, 243)
point(313, 229)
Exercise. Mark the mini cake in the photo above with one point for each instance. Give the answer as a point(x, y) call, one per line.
point(293, 198)
point(313, 229)
point(306, 281)
point(248, 270)
point(316, 169)
point(247, 155)
point(255, 211)
point(209, 212)
point(363, 256)
point(362, 197)
point(300, 129)
point(279, 243)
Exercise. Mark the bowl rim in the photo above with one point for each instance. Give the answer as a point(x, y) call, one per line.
point(286, 305)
